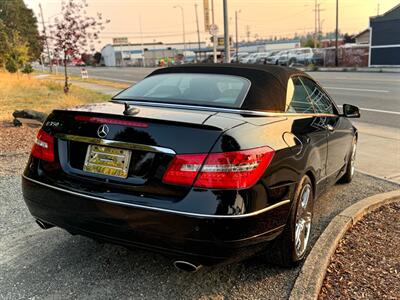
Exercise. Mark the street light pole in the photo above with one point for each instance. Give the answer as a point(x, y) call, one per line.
point(226, 33)
point(337, 34)
point(214, 35)
point(198, 30)
point(183, 28)
point(237, 35)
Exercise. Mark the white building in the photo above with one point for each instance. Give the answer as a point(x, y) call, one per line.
point(262, 46)
point(138, 54)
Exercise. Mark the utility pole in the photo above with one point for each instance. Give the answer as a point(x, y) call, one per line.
point(183, 28)
point(319, 20)
point(248, 33)
point(214, 35)
point(237, 36)
point(226, 33)
point(141, 42)
point(45, 38)
point(337, 34)
point(377, 9)
point(315, 23)
point(197, 23)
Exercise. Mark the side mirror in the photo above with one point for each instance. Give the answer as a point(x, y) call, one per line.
point(351, 111)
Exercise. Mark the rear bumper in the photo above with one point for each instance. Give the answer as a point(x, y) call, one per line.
point(204, 239)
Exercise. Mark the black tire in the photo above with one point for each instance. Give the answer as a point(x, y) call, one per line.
point(284, 252)
point(291, 62)
point(348, 176)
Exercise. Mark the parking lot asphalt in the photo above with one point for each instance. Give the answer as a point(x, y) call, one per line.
point(52, 264)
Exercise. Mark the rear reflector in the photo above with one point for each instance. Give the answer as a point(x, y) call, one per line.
point(44, 146)
point(111, 121)
point(227, 170)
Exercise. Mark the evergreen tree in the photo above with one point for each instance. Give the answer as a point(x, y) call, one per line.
point(16, 17)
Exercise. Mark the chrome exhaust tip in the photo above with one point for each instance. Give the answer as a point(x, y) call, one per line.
point(182, 265)
point(43, 225)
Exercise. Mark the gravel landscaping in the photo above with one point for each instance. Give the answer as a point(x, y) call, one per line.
point(366, 263)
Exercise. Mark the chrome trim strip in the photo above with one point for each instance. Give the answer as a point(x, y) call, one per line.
point(283, 202)
point(111, 143)
point(222, 110)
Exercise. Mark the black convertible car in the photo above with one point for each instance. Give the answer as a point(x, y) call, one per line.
point(208, 163)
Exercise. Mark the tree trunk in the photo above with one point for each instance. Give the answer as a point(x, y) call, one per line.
point(66, 84)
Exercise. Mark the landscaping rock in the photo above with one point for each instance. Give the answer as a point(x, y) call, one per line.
point(30, 114)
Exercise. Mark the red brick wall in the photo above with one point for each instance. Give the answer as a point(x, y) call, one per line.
point(348, 56)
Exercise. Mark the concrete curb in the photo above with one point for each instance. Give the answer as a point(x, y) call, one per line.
point(354, 70)
point(309, 282)
point(378, 177)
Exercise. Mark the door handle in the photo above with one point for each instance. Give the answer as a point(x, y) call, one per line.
point(329, 127)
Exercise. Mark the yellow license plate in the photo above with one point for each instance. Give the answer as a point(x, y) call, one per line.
point(107, 161)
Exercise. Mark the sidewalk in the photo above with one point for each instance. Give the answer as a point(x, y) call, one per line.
point(97, 87)
point(378, 151)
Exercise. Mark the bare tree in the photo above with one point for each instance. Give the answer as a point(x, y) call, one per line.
point(75, 32)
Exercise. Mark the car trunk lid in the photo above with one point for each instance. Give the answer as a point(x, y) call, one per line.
point(152, 137)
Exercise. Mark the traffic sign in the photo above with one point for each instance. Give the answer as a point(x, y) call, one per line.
point(213, 29)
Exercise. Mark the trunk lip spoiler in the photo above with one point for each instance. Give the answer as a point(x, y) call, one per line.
point(113, 143)
point(199, 107)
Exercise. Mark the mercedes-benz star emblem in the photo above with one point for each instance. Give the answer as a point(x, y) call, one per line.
point(102, 131)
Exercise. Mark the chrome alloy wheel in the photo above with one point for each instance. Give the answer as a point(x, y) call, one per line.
point(353, 158)
point(303, 221)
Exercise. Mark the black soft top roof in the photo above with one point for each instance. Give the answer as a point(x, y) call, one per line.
point(268, 83)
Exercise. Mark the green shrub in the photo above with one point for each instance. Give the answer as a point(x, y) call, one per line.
point(27, 69)
point(11, 65)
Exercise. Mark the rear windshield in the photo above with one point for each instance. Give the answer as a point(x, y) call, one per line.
point(190, 88)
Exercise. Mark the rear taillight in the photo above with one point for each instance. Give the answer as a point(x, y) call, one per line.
point(44, 146)
point(184, 168)
point(227, 170)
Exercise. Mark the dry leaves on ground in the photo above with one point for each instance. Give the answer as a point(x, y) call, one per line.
point(366, 264)
point(16, 140)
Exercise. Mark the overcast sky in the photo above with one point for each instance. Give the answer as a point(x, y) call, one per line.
point(264, 18)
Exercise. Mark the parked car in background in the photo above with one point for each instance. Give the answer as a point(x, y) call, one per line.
point(248, 58)
point(273, 58)
point(303, 56)
point(239, 57)
point(259, 59)
point(283, 58)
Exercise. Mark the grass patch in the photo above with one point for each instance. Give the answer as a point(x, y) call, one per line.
point(18, 91)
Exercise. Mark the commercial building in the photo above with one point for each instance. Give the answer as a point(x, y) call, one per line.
point(147, 54)
point(262, 46)
point(385, 39)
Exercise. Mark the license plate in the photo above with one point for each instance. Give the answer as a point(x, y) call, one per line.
point(107, 161)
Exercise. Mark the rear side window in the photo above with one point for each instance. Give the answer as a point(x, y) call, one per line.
point(298, 100)
point(318, 97)
point(190, 88)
